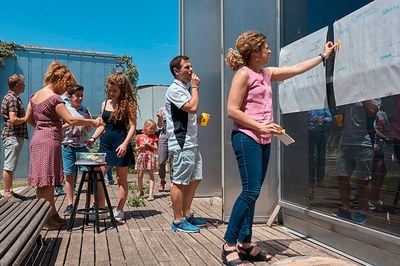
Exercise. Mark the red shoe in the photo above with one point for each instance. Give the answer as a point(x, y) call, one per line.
point(161, 186)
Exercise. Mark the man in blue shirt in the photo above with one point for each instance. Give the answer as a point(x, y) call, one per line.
point(317, 121)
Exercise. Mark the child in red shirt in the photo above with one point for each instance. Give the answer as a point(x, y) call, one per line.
point(146, 145)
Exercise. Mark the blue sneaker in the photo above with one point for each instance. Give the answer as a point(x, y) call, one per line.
point(196, 221)
point(343, 214)
point(58, 191)
point(184, 226)
point(359, 217)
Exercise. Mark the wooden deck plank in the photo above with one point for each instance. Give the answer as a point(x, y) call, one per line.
point(273, 245)
point(213, 240)
point(192, 241)
point(322, 251)
point(101, 248)
point(206, 248)
point(148, 216)
point(210, 206)
point(156, 247)
point(160, 209)
point(51, 244)
point(145, 253)
point(131, 220)
point(139, 214)
point(114, 245)
point(162, 219)
point(60, 253)
point(209, 209)
point(191, 257)
point(166, 211)
point(175, 256)
point(73, 253)
point(294, 244)
point(88, 245)
point(129, 248)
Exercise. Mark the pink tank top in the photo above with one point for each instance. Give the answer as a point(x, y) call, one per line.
point(257, 104)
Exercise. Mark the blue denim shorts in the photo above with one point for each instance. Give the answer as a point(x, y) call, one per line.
point(187, 166)
point(69, 158)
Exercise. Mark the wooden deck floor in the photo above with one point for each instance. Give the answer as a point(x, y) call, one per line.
point(146, 238)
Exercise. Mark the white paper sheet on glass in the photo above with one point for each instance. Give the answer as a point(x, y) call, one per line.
point(367, 63)
point(306, 91)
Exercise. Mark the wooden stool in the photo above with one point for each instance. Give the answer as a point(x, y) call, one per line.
point(92, 177)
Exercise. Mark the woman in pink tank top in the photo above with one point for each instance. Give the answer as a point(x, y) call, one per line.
point(250, 108)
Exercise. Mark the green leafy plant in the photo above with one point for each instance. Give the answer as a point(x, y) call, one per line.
point(7, 49)
point(134, 200)
point(126, 66)
point(146, 187)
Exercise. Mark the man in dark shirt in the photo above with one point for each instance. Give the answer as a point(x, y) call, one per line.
point(15, 129)
point(317, 122)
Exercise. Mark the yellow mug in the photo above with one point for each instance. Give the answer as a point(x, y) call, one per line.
point(204, 118)
point(338, 119)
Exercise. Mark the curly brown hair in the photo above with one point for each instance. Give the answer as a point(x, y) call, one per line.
point(126, 107)
point(58, 74)
point(246, 43)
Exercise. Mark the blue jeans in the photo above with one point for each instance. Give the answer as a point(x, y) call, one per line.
point(69, 159)
point(252, 159)
point(109, 174)
point(316, 154)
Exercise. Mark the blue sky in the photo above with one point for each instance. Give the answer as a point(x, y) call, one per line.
point(145, 30)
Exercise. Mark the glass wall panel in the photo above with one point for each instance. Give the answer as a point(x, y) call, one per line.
point(339, 150)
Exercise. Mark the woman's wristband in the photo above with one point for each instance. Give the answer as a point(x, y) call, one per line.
point(323, 58)
point(94, 139)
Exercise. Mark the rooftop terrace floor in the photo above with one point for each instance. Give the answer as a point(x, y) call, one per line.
point(146, 238)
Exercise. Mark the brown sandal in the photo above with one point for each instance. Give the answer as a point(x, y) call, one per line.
point(52, 223)
point(59, 219)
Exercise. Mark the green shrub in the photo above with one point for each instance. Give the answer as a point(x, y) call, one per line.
point(134, 200)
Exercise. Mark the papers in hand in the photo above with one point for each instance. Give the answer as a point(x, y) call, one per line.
point(285, 138)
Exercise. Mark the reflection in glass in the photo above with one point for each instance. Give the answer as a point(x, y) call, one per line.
point(363, 151)
point(317, 122)
point(381, 203)
point(356, 154)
